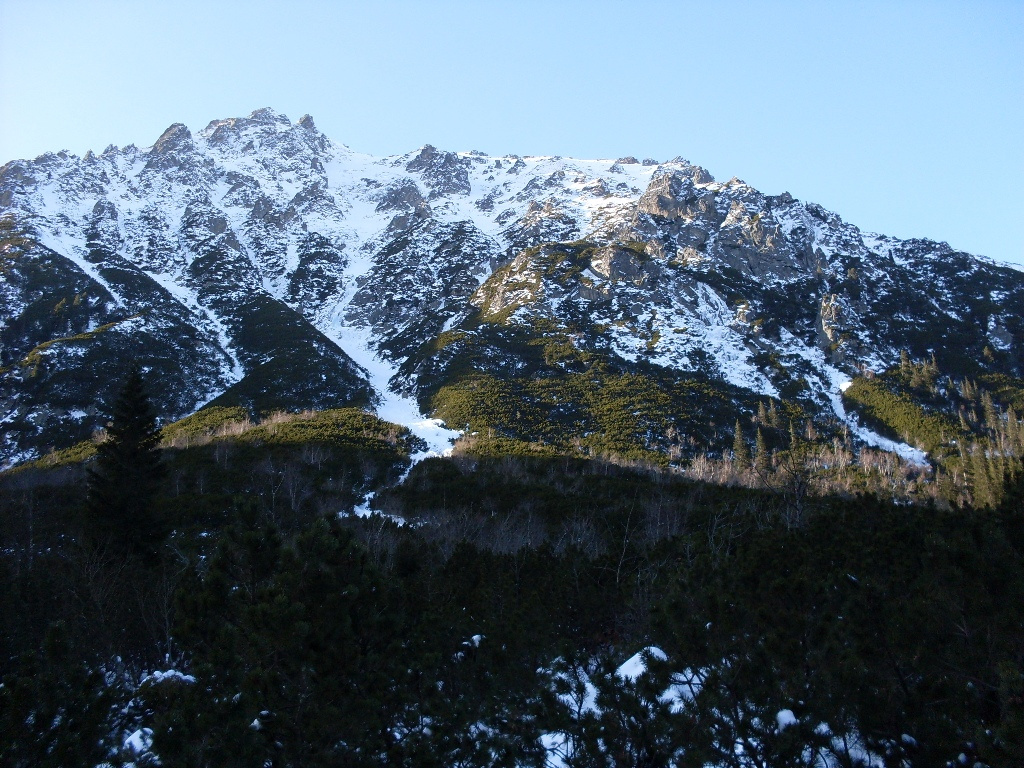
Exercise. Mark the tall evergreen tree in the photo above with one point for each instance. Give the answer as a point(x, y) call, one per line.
point(762, 414)
point(1013, 432)
point(740, 454)
point(904, 361)
point(992, 420)
point(54, 710)
point(981, 484)
point(761, 457)
point(127, 472)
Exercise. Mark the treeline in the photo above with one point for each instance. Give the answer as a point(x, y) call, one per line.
point(970, 428)
point(547, 390)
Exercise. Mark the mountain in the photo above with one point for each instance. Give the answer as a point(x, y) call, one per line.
point(687, 520)
point(595, 307)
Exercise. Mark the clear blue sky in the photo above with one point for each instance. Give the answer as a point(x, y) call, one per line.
point(906, 118)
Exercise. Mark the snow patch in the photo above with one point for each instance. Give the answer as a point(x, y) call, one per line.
point(636, 665)
point(785, 718)
point(67, 246)
point(140, 741)
point(837, 382)
point(392, 406)
point(169, 674)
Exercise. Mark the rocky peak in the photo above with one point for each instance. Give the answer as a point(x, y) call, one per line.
point(444, 173)
point(669, 196)
point(173, 153)
point(13, 176)
point(402, 195)
point(542, 223)
point(617, 263)
point(260, 126)
point(316, 140)
point(405, 199)
point(175, 139)
point(268, 116)
point(426, 156)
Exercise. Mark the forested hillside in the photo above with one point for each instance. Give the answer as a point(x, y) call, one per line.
point(496, 610)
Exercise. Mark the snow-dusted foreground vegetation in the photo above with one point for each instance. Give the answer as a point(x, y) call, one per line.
point(543, 611)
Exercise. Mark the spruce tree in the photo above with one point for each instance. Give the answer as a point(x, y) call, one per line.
point(761, 457)
point(992, 420)
point(127, 473)
point(981, 486)
point(740, 454)
point(1013, 433)
point(54, 710)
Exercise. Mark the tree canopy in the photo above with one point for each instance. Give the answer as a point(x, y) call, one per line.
point(127, 472)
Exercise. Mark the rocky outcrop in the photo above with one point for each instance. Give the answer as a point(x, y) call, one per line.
point(616, 263)
point(444, 173)
point(404, 199)
point(543, 223)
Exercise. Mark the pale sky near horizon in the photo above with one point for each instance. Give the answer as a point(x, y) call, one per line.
point(906, 118)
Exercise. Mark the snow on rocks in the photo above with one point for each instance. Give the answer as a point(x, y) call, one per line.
point(402, 242)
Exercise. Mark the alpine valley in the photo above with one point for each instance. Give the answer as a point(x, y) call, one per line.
point(662, 455)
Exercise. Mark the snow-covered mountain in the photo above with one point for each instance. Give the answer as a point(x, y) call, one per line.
point(258, 262)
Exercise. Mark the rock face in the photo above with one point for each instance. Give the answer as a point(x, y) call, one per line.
point(444, 173)
point(240, 261)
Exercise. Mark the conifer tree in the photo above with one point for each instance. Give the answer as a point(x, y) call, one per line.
point(969, 390)
point(963, 421)
point(740, 454)
point(931, 372)
point(761, 454)
point(1012, 430)
point(992, 419)
point(127, 473)
point(981, 485)
point(54, 710)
